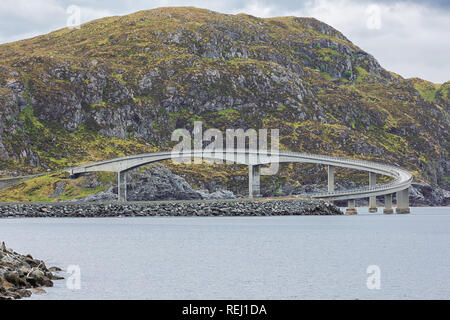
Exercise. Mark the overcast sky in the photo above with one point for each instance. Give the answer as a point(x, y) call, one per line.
point(409, 37)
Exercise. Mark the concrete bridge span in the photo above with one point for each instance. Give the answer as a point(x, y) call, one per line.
point(256, 160)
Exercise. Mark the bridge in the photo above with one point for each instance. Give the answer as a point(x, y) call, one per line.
point(256, 160)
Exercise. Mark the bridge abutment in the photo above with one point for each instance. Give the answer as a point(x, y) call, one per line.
point(388, 204)
point(122, 186)
point(351, 207)
point(403, 202)
point(254, 181)
point(373, 200)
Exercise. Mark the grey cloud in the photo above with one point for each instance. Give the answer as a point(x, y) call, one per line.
point(414, 47)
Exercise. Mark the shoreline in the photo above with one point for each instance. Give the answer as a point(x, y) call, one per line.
point(204, 208)
point(22, 275)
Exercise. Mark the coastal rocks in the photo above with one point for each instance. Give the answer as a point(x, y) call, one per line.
point(21, 275)
point(294, 207)
point(157, 183)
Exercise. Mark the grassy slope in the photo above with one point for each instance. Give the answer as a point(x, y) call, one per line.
point(42, 189)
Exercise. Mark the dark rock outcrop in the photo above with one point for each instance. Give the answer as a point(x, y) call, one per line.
point(173, 208)
point(159, 183)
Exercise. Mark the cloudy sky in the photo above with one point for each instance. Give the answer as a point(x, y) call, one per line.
point(409, 37)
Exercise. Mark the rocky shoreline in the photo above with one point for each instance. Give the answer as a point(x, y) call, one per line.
point(159, 183)
point(174, 208)
point(21, 276)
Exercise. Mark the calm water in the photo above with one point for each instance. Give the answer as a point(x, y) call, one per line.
point(243, 258)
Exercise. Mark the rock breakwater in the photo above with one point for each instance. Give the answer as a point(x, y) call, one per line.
point(174, 208)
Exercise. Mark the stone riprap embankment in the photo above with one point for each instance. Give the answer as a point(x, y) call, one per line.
point(183, 209)
point(21, 275)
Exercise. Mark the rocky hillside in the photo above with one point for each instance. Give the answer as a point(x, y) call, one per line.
point(121, 85)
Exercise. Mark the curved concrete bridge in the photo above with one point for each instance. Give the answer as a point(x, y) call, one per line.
point(257, 159)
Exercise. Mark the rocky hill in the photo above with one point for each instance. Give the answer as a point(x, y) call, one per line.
point(121, 85)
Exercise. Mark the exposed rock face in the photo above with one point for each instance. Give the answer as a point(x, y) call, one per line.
point(20, 275)
point(179, 208)
point(156, 183)
point(159, 183)
point(419, 194)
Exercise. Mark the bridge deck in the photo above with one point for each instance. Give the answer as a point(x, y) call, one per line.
point(402, 179)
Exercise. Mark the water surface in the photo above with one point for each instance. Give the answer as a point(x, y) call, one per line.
point(323, 257)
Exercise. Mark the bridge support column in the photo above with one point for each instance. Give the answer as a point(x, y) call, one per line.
point(351, 210)
point(122, 186)
point(331, 178)
point(373, 200)
point(403, 202)
point(388, 204)
point(254, 180)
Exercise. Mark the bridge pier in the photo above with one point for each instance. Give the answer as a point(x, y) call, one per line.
point(351, 207)
point(122, 186)
point(254, 181)
point(388, 204)
point(331, 178)
point(373, 200)
point(403, 202)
